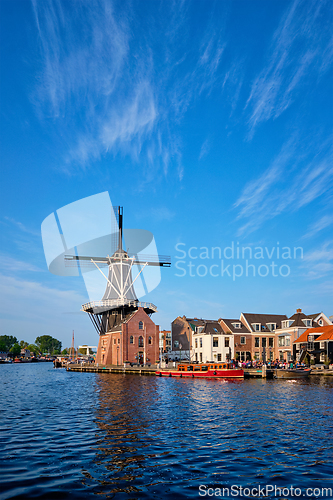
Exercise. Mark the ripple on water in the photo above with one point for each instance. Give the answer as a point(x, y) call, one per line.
point(71, 435)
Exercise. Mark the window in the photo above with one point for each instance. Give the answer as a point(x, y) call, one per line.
point(131, 339)
point(196, 356)
point(196, 343)
point(270, 342)
point(256, 327)
point(118, 341)
point(140, 343)
point(215, 341)
point(263, 342)
point(201, 357)
point(114, 341)
point(288, 341)
point(140, 325)
point(320, 322)
point(219, 357)
point(271, 326)
point(176, 344)
point(281, 341)
point(149, 340)
point(243, 340)
point(307, 322)
point(256, 342)
point(200, 341)
point(236, 325)
point(226, 342)
point(322, 344)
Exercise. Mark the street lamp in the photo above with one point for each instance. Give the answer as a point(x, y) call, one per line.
point(117, 353)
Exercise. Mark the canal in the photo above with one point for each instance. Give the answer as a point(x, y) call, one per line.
point(92, 435)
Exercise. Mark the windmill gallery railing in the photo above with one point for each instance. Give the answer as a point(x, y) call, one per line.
point(115, 303)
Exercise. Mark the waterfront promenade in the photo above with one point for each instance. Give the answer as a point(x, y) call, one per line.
point(151, 370)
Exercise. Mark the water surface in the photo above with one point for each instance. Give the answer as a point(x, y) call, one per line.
point(84, 435)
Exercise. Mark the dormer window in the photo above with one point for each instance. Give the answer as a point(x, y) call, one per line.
point(320, 322)
point(271, 326)
point(256, 327)
point(236, 325)
point(286, 323)
point(307, 322)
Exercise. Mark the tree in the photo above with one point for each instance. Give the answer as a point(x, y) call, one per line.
point(15, 349)
point(64, 352)
point(33, 349)
point(48, 344)
point(23, 344)
point(6, 342)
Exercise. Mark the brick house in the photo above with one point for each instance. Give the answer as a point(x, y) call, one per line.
point(134, 339)
point(181, 334)
point(165, 341)
point(317, 342)
point(242, 337)
point(262, 328)
point(292, 328)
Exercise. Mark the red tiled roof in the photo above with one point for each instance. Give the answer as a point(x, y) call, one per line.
point(326, 336)
point(326, 331)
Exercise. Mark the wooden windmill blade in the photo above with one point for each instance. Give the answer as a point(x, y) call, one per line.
point(152, 260)
point(86, 262)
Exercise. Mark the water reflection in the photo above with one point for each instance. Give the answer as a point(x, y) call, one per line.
point(176, 434)
point(76, 435)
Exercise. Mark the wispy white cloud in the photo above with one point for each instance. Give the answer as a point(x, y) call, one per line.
point(44, 310)
point(318, 263)
point(205, 148)
point(291, 182)
point(319, 225)
point(163, 213)
point(118, 96)
point(13, 266)
point(10, 221)
point(296, 52)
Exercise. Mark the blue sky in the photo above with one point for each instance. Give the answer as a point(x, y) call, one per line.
point(209, 122)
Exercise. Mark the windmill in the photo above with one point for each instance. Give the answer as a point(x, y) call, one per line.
point(119, 297)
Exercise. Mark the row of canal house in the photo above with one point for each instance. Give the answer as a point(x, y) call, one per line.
point(252, 336)
point(137, 339)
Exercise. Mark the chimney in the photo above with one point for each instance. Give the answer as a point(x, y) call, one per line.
point(298, 310)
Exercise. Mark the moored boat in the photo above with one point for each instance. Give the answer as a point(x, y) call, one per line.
point(292, 373)
point(203, 370)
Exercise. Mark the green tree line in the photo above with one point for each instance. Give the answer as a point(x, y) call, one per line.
point(44, 344)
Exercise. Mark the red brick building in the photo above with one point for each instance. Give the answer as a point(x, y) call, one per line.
point(242, 338)
point(135, 339)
